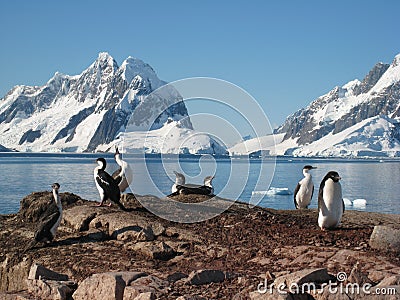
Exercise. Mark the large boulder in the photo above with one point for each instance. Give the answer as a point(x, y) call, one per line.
point(385, 238)
point(106, 286)
point(35, 204)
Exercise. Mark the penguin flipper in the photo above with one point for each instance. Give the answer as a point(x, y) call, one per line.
point(344, 207)
point(312, 193)
point(321, 194)
point(296, 190)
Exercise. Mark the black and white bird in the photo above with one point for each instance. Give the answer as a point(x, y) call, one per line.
point(305, 189)
point(124, 174)
point(106, 185)
point(330, 201)
point(50, 220)
point(180, 187)
point(179, 180)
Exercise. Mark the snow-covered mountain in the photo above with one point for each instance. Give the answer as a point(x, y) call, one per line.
point(89, 111)
point(4, 149)
point(361, 118)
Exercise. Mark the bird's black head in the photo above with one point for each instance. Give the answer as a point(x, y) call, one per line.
point(55, 186)
point(101, 162)
point(308, 167)
point(332, 175)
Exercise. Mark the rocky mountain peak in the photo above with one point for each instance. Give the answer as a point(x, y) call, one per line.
point(371, 79)
point(378, 94)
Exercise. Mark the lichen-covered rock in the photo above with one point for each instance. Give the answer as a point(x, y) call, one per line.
point(38, 271)
point(105, 286)
point(51, 289)
point(153, 250)
point(79, 217)
point(385, 238)
point(35, 204)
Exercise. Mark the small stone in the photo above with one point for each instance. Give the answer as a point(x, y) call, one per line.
point(304, 276)
point(205, 276)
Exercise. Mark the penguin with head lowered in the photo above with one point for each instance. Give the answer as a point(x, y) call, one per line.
point(304, 190)
point(330, 201)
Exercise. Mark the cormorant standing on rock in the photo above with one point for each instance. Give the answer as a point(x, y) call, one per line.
point(106, 185)
point(50, 220)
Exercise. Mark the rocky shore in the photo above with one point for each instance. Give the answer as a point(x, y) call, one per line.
point(244, 253)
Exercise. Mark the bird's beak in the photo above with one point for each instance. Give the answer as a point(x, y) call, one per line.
point(314, 168)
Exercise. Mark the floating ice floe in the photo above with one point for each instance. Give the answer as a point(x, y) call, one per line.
point(347, 202)
point(273, 191)
point(361, 203)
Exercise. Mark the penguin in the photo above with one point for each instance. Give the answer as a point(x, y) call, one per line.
point(330, 201)
point(186, 189)
point(304, 190)
point(106, 185)
point(124, 175)
point(50, 220)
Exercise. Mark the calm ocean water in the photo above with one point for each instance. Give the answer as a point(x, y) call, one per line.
point(376, 181)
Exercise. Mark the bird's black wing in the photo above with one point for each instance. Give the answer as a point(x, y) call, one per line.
point(296, 190)
point(110, 187)
point(193, 189)
point(51, 209)
point(344, 208)
point(44, 228)
point(107, 183)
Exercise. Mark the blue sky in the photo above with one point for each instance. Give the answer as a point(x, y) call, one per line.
point(284, 53)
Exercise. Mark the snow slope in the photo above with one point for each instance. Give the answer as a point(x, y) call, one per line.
point(89, 111)
point(172, 138)
point(360, 118)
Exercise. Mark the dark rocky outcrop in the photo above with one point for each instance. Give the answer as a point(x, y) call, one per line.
point(30, 136)
point(106, 253)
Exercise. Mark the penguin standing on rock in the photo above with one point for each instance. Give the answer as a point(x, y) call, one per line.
point(330, 201)
point(50, 220)
point(304, 190)
point(106, 185)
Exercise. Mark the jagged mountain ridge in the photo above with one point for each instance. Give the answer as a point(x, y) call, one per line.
point(343, 107)
point(90, 110)
point(360, 118)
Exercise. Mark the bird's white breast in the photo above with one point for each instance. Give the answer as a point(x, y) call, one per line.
point(331, 209)
point(303, 197)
